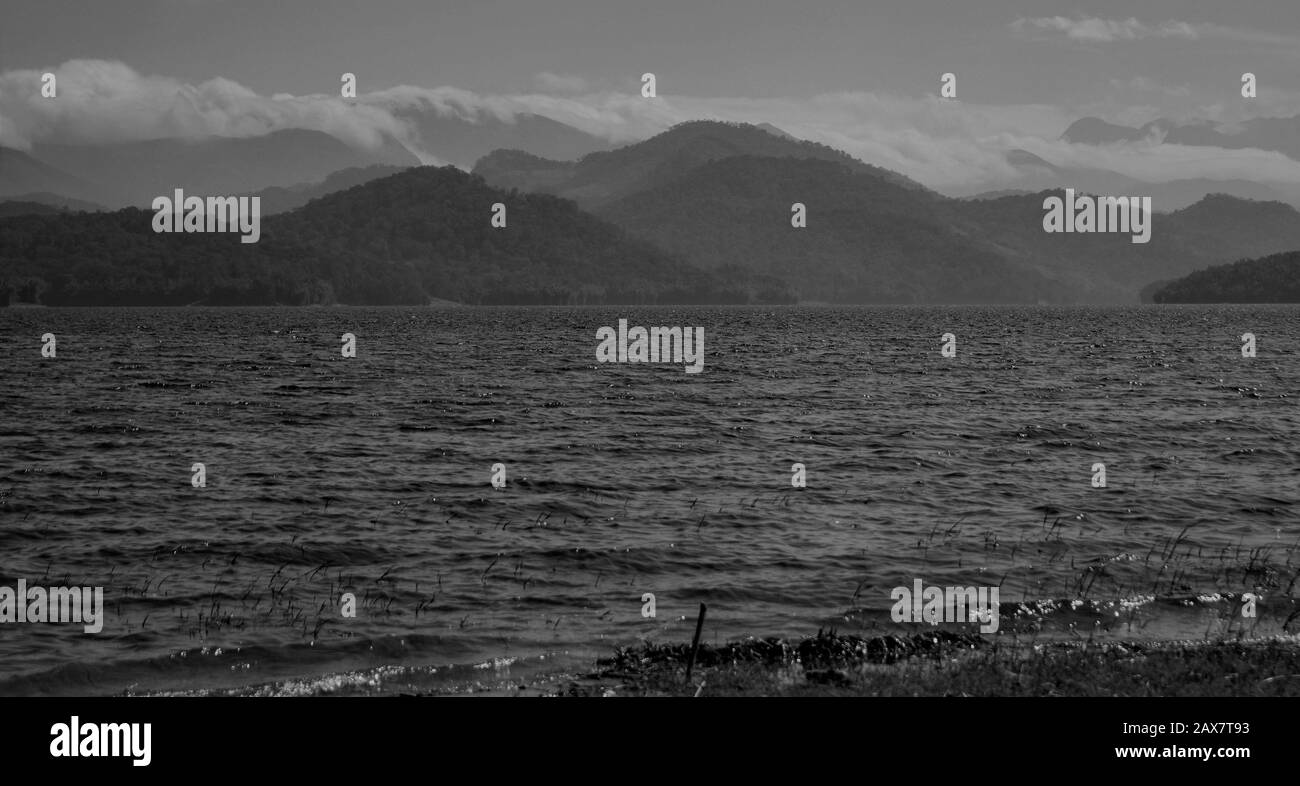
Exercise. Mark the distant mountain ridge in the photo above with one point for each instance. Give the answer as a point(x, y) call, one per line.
point(22, 175)
point(692, 215)
point(1280, 134)
point(867, 240)
point(872, 238)
point(18, 207)
point(600, 178)
point(44, 199)
point(461, 140)
point(1034, 174)
point(1108, 268)
point(279, 163)
point(133, 173)
point(278, 199)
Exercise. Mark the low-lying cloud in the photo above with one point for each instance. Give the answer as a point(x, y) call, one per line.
point(100, 102)
point(947, 145)
point(1097, 30)
point(1106, 30)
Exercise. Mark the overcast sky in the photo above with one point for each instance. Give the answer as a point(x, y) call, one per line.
point(860, 75)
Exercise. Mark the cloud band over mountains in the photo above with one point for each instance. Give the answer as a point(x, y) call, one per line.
point(952, 146)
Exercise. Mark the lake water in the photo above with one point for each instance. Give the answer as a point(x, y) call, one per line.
point(371, 475)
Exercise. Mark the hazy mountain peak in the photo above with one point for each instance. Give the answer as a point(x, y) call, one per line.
point(601, 177)
point(1220, 204)
point(133, 173)
point(1278, 134)
point(1021, 158)
point(463, 140)
point(1095, 131)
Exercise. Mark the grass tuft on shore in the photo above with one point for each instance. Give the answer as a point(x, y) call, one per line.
point(950, 664)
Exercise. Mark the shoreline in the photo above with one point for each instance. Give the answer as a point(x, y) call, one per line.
point(934, 664)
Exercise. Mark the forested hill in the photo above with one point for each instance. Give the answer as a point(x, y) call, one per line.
point(417, 235)
point(601, 178)
point(867, 239)
point(1272, 279)
point(721, 194)
point(1105, 267)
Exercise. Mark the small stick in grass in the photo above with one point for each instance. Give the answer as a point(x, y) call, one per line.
point(695, 645)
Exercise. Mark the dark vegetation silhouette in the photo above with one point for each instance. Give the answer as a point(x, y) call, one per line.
point(1272, 279)
point(416, 236)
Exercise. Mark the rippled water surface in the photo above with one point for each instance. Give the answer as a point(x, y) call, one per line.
point(370, 475)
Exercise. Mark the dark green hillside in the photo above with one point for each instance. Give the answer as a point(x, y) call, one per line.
point(867, 240)
point(423, 233)
point(1273, 279)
